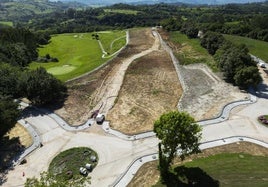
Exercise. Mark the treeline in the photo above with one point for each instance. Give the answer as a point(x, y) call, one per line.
point(19, 45)
point(18, 49)
point(95, 19)
point(234, 61)
point(246, 20)
point(255, 26)
point(19, 11)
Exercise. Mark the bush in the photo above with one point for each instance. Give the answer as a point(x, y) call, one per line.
point(263, 119)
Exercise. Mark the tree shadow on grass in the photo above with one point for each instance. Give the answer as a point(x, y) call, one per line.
point(188, 177)
point(10, 149)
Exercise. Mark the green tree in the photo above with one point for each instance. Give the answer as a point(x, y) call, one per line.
point(248, 76)
point(49, 180)
point(177, 132)
point(212, 42)
point(229, 64)
point(41, 87)
point(171, 24)
point(9, 80)
point(8, 114)
point(237, 66)
point(190, 29)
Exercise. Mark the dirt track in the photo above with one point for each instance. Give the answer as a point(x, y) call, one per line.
point(137, 105)
point(84, 92)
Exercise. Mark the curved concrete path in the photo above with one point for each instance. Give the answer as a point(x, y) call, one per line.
point(35, 137)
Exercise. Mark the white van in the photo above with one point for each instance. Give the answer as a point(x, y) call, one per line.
point(100, 118)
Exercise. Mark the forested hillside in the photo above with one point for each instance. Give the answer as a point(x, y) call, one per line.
point(18, 48)
point(23, 10)
point(246, 20)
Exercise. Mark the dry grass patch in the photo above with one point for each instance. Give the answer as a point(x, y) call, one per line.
point(151, 87)
point(24, 136)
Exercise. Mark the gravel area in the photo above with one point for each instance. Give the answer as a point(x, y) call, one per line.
point(206, 93)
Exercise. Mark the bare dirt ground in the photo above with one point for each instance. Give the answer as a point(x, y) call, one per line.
point(84, 93)
point(151, 87)
point(148, 174)
point(137, 106)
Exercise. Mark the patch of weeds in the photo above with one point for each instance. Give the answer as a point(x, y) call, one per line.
point(156, 92)
point(116, 100)
point(132, 110)
point(71, 160)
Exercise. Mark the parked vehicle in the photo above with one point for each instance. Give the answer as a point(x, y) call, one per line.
point(83, 171)
point(262, 65)
point(100, 118)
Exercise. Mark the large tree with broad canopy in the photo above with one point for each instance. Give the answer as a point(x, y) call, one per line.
point(178, 134)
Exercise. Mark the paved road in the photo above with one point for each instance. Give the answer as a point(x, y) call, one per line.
point(115, 153)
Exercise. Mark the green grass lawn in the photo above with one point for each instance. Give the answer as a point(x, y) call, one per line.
point(191, 51)
point(111, 46)
point(256, 47)
point(78, 53)
point(72, 160)
point(227, 169)
point(8, 23)
point(122, 11)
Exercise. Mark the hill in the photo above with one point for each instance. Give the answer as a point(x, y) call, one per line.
point(22, 10)
point(110, 2)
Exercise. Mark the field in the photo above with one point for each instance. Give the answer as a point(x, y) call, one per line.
point(8, 23)
point(78, 53)
point(189, 51)
point(256, 47)
point(121, 11)
point(239, 164)
point(246, 171)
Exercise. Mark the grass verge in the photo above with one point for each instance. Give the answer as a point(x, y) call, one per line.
point(189, 51)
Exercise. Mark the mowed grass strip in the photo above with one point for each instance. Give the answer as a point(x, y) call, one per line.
point(190, 51)
point(235, 169)
point(229, 169)
point(78, 53)
point(256, 47)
